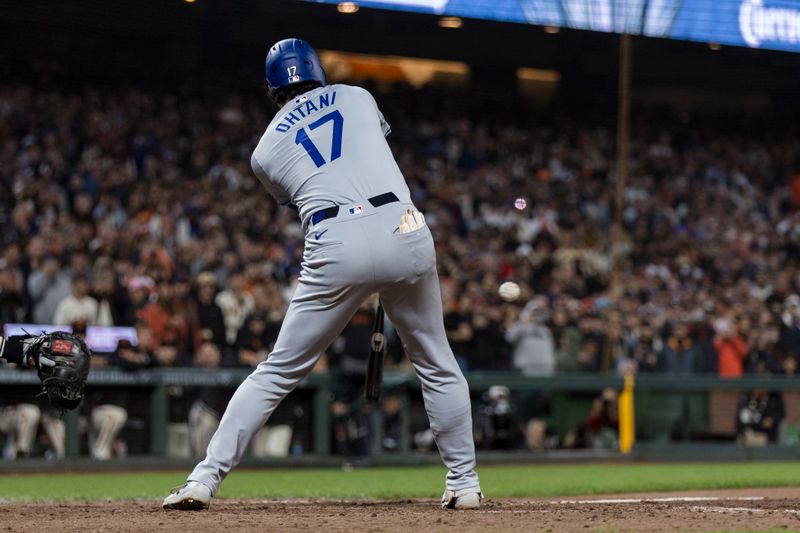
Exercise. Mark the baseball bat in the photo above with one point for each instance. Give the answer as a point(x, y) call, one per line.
point(374, 382)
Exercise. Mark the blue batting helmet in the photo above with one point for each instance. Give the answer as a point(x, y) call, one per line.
point(292, 61)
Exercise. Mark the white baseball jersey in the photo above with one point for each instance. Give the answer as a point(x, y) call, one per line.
point(327, 147)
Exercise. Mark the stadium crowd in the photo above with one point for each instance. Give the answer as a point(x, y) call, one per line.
point(137, 208)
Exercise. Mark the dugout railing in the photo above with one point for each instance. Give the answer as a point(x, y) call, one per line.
point(669, 410)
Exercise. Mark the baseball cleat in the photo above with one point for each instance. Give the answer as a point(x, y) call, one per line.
point(469, 498)
point(191, 496)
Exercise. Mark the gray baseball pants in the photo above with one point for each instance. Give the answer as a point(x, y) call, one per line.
point(346, 259)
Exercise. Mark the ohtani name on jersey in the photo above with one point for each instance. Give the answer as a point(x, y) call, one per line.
point(305, 106)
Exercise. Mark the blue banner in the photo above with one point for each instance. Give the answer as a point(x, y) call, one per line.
point(772, 24)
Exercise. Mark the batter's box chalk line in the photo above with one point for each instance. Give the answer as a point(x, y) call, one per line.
point(672, 499)
point(719, 509)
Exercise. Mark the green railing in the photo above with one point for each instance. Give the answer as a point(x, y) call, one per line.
point(569, 397)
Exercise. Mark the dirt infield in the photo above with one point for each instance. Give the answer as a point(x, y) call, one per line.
point(729, 510)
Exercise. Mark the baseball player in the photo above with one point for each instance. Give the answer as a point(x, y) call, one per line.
point(325, 154)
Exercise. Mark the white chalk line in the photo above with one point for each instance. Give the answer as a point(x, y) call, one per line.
point(672, 499)
point(690, 499)
point(720, 509)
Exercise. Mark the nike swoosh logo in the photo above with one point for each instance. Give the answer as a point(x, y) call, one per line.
point(321, 233)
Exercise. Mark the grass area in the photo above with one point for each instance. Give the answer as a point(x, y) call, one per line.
point(421, 482)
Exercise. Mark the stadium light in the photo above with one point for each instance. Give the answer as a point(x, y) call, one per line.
point(537, 74)
point(450, 22)
point(714, 46)
point(190, 1)
point(347, 7)
point(552, 30)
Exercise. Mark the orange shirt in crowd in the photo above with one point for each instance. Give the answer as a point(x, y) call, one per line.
point(730, 354)
point(157, 318)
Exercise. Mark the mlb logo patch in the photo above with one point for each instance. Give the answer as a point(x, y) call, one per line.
point(357, 210)
point(301, 99)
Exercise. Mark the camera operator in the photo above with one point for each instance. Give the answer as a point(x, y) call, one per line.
point(496, 425)
point(759, 416)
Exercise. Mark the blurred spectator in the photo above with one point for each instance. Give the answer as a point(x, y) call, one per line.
point(458, 327)
point(260, 330)
point(156, 313)
point(78, 306)
point(255, 340)
point(789, 340)
point(531, 340)
point(647, 350)
point(567, 341)
point(13, 300)
point(764, 350)
point(236, 305)
point(209, 321)
point(48, 286)
point(680, 354)
point(703, 336)
point(731, 348)
point(592, 356)
point(139, 289)
point(129, 357)
point(171, 352)
point(488, 349)
point(110, 297)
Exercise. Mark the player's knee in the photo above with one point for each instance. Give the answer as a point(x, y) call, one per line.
point(444, 421)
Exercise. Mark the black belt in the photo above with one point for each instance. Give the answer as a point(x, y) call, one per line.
point(375, 201)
